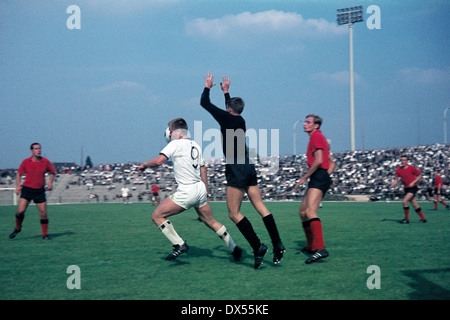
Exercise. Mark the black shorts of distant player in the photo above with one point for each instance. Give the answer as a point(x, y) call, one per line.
point(241, 175)
point(412, 190)
point(320, 180)
point(37, 195)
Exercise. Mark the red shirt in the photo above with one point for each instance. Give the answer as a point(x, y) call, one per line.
point(318, 141)
point(437, 182)
point(155, 189)
point(407, 175)
point(34, 172)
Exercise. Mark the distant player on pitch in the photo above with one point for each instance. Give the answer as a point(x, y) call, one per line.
point(190, 174)
point(33, 188)
point(410, 177)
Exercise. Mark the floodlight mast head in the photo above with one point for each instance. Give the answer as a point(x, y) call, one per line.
point(350, 15)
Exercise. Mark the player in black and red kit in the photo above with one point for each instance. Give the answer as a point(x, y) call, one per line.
point(320, 167)
point(155, 194)
point(240, 173)
point(34, 168)
point(437, 182)
point(410, 177)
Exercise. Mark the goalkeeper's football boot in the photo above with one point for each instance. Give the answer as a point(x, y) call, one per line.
point(13, 234)
point(237, 253)
point(317, 255)
point(177, 250)
point(259, 255)
point(278, 251)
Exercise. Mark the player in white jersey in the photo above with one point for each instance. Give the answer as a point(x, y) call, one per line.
point(190, 174)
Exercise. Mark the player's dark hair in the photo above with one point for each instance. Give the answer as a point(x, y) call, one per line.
point(404, 156)
point(316, 119)
point(178, 123)
point(34, 144)
point(236, 104)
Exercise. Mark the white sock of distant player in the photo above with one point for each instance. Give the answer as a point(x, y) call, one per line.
point(225, 236)
point(169, 231)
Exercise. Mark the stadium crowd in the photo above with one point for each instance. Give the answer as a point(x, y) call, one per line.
point(364, 172)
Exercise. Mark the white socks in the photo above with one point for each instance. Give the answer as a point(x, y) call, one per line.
point(168, 230)
point(225, 236)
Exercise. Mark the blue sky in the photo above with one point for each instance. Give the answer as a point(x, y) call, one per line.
point(110, 87)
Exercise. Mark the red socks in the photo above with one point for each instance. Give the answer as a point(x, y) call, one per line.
point(44, 224)
point(19, 220)
point(308, 234)
point(442, 202)
point(406, 211)
point(314, 234)
point(44, 227)
point(418, 210)
point(420, 213)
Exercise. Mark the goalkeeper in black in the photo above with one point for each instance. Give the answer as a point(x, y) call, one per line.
point(240, 173)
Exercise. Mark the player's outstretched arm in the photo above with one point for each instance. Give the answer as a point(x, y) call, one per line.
point(155, 162)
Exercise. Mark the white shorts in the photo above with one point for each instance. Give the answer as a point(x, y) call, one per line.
point(190, 195)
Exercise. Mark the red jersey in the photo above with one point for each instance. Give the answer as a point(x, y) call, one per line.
point(437, 182)
point(35, 171)
point(318, 141)
point(407, 175)
point(155, 189)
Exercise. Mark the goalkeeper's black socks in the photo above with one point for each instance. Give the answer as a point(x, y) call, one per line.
point(246, 228)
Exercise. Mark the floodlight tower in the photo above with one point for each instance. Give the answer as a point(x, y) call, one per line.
point(350, 16)
point(295, 136)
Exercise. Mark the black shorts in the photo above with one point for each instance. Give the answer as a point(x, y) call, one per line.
point(155, 194)
point(412, 190)
point(320, 180)
point(37, 195)
point(241, 175)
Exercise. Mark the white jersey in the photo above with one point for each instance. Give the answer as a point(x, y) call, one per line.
point(125, 192)
point(187, 159)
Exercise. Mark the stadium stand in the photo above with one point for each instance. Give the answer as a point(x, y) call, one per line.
point(364, 174)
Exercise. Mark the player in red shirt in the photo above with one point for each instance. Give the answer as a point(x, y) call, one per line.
point(155, 194)
point(437, 181)
point(410, 177)
point(33, 188)
point(320, 166)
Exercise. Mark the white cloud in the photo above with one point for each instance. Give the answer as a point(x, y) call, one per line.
point(415, 75)
point(340, 77)
point(264, 22)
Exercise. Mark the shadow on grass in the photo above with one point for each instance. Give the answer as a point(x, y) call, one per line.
point(55, 235)
point(425, 289)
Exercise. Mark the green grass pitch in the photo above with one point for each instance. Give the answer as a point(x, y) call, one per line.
point(121, 254)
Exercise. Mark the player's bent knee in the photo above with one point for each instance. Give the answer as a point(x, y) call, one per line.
point(155, 216)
